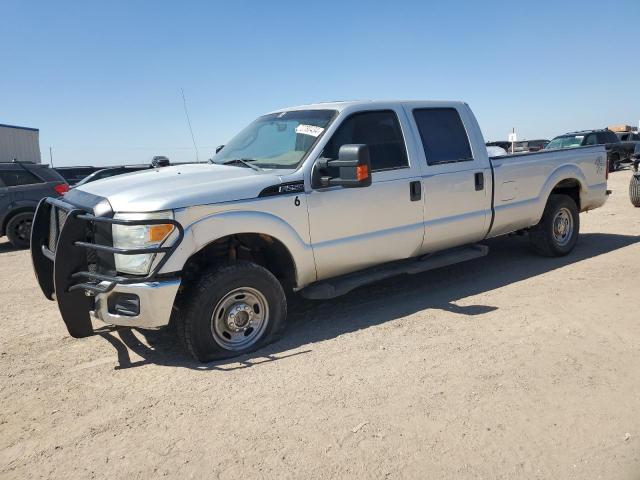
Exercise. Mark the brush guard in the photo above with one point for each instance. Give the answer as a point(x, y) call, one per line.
point(70, 264)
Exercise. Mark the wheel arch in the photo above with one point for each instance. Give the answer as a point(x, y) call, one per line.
point(247, 235)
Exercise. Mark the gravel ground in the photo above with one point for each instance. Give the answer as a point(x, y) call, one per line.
point(512, 366)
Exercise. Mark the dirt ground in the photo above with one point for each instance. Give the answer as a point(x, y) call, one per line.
point(512, 366)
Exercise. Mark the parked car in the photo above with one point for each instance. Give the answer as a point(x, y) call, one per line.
point(318, 199)
point(73, 175)
point(536, 145)
point(628, 136)
point(111, 172)
point(521, 146)
point(494, 151)
point(22, 186)
point(506, 146)
point(616, 152)
point(635, 158)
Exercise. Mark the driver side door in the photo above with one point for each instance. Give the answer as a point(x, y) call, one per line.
point(354, 228)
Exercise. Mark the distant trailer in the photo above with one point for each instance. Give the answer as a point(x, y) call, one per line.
point(20, 143)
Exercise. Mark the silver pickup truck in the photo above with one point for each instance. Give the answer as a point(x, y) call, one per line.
point(317, 199)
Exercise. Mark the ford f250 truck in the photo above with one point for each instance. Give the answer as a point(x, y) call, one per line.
point(317, 199)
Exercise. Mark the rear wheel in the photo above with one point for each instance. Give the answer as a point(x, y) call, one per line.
point(557, 232)
point(19, 229)
point(231, 310)
point(634, 190)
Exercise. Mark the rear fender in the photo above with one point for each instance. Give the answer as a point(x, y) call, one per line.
point(564, 172)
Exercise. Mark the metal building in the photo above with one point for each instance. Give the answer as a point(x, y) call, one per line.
point(21, 143)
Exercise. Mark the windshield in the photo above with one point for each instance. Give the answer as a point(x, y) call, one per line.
point(565, 142)
point(277, 140)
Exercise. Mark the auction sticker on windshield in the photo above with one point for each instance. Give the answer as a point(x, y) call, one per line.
point(312, 130)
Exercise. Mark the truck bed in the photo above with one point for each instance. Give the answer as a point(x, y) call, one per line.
point(523, 182)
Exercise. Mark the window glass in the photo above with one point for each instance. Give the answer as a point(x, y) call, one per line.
point(591, 139)
point(380, 131)
point(14, 178)
point(567, 141)
point(611, 137)
point(443, 135)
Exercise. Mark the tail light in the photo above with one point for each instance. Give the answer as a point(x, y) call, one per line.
point(61, 189)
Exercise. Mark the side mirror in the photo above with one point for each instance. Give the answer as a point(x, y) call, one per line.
point(219, 147)
point(353, 164)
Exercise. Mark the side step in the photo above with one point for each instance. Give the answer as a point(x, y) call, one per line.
point(340, 285)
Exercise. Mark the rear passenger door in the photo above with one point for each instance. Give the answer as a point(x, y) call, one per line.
point(457, 202)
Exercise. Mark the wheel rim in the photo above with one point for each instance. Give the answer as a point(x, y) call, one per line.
point(240, 318)
point(23, 230)
point(563, 227)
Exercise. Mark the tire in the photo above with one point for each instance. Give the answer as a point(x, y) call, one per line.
point(231, 310)
point(19, 229)
point(634, 190)
point(557, 232)
point(614, 162)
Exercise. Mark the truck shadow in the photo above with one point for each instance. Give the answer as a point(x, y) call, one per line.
point(509, 261)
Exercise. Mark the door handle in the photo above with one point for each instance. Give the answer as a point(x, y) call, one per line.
point(479, 181)
point(415, 191)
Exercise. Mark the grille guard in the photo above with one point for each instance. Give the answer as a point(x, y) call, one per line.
point(64, 274)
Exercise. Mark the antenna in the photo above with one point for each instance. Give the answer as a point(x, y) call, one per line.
point(186, 113)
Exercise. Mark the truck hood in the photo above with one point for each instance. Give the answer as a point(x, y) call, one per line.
point(180, 186)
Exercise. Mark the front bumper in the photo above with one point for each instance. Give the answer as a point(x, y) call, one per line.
point(73, 258)
point(155, 300)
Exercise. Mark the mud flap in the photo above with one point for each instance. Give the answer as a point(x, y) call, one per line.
point(74, 305)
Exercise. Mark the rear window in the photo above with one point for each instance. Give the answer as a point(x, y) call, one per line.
point(16, 178)
point(443, 136)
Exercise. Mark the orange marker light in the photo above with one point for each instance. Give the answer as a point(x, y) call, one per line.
point(362, 172)
point(158, 233)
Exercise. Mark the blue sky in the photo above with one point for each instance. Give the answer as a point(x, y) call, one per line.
point(101, 80)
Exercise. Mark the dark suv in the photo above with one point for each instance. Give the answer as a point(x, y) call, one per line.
point(22, 185)
point(616, 153)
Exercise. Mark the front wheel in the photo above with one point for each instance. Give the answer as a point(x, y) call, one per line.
point(231, 310)
point(557, 232)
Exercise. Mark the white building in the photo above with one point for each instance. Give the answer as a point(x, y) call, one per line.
point(20, 143)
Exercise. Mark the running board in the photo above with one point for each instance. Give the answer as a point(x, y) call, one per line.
point(340, 285)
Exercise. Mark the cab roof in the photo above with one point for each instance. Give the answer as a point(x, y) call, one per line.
point(342, 105)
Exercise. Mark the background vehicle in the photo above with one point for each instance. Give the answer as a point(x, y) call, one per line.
point(521, 146)
point(634, 189)
point(73, 175)
point(22, 186)
point(319, 199)
point(628, 136)
point(635, 158)
point(616, 152)
point(506, 146)
point(111, 172)
point(536, 145)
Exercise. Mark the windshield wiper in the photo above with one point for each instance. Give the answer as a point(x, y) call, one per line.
point(243, 161)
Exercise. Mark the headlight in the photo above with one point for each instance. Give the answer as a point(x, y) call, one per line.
point(139, 236)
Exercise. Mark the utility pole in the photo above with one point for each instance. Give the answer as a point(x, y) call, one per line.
point(51, 156)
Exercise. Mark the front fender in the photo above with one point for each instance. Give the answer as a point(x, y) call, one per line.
point(206, 230)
